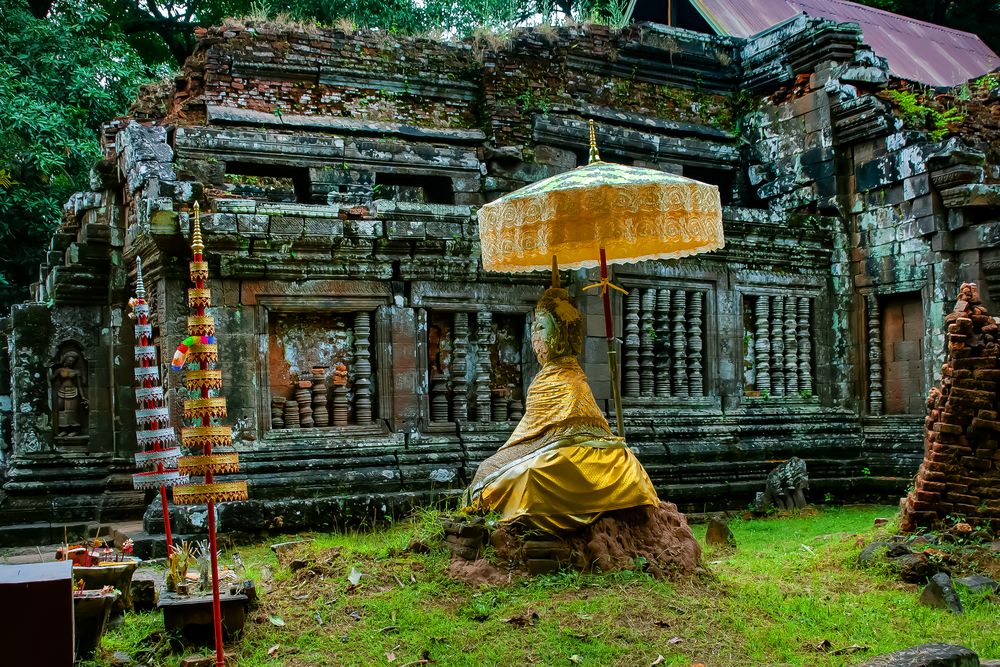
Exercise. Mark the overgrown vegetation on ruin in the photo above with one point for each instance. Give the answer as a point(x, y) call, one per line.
point(790, 594)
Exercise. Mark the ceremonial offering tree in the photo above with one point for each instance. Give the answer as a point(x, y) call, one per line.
point(157, 440)
point(201, 408)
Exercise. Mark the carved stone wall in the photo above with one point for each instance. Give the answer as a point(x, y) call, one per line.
point(339, 176)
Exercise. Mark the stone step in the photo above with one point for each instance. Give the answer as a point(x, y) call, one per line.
point(21, 537)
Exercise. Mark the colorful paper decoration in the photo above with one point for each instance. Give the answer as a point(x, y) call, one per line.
point(201, 348)
point(157, 440)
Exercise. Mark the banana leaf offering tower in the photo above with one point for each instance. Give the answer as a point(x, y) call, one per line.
point(156, 438)
point(203, 410)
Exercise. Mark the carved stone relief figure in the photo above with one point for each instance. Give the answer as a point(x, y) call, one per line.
point(69, 400)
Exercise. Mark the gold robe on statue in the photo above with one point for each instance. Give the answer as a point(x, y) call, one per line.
point(561, 467)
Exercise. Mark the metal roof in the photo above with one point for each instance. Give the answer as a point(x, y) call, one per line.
point(916, 50)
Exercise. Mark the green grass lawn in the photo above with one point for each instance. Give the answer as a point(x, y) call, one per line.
point(790, 594)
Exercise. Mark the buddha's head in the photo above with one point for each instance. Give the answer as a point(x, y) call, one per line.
point(558, 328)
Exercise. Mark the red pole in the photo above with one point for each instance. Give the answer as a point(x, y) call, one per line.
point(220, 655)
point(166, 513)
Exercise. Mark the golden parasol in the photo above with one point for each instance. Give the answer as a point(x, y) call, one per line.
point(599, 214)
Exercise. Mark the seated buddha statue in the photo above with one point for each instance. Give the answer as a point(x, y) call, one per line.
point(561, 468)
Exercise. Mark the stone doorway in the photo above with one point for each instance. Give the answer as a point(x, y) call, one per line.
point(903, 353)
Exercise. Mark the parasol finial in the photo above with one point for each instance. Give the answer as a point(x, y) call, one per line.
point(140, 287)
point(196, 245)
point(594, 155)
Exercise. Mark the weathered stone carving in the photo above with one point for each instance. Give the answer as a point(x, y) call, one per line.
point(484, 335)
point(791, 347)
point(341, 406)
point(875, 403)
point(647, 363)
point(697, 385)
point(762, 346)
point(291, 414)
point(303, 396)
point(777, 346)
point(662, 319)
point(459, 368)
point(362, 369)
point(500, 405)
point(630, 366)
point(439, 397)
point(69, 399)
point(278, 412)
point(786, 487)
point(321, 417)
point(679, 341)
point(805, 347)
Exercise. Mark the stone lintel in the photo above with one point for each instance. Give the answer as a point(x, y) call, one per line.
point(972, 194)
point(618, 143)
point(493, 297)
point(223, 115)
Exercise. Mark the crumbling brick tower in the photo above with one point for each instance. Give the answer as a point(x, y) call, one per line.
point(960, 475)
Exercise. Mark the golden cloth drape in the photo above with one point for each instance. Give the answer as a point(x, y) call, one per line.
point(562, 467)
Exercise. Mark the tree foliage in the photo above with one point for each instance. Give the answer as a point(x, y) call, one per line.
point(60, 77)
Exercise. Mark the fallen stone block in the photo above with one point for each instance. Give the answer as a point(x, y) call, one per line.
point(927, 655)
point(941, 593)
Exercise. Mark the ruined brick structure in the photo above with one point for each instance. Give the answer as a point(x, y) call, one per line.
point(339, 176)
point(960, 476)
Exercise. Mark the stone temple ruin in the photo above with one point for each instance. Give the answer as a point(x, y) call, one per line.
point(372, 364)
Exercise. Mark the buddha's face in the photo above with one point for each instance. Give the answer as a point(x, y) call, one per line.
point(543, 332)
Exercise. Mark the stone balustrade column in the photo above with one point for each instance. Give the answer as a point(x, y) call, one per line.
point(630, 362)
point(647, 361)
point(777, 322)
point(805, 347)
point(791, 348)
point(761, 345)
point(460, 368)
point(695, 304)
point(439, 398)
point(662, 327)
point(876, 403)
point(362, 369)
point(484, 332)
point(679, 344)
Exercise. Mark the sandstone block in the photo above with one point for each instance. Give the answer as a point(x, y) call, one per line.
point(941, 593)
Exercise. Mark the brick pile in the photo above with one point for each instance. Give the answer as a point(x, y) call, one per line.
point(960, 475)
